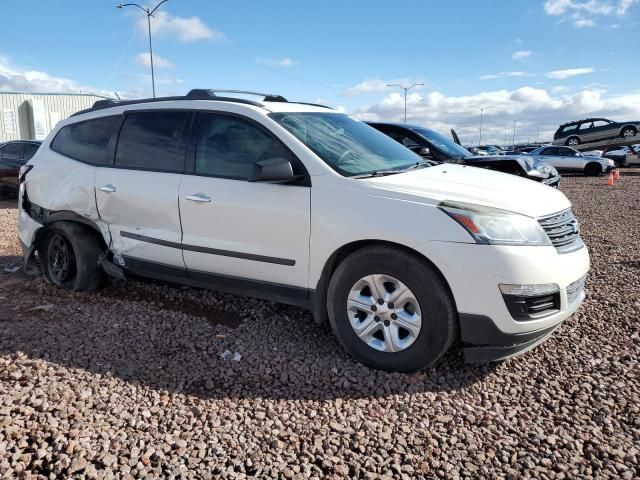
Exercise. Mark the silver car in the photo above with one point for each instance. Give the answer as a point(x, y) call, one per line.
point(566, 159)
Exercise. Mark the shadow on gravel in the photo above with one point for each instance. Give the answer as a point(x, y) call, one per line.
point(284, 354)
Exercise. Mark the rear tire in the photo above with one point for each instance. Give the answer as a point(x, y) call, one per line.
point(428, 300)
point(572, 141)
point(628, 132)
point(592, 169)
point(70, 255)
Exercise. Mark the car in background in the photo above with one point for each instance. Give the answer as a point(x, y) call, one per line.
point(623, 156)
point(567, 159)
point(13, 155)
point(593, 130)
point(492, 149)
point(433, 146)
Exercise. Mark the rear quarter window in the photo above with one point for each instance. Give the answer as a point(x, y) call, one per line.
point(86, 141)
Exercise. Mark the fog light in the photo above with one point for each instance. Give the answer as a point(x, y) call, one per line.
point(529, 290)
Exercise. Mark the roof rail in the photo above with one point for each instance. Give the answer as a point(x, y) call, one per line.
point(109, 103)
point(210, 93)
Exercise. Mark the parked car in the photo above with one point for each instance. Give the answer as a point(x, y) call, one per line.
point(567, 159)
point(431, 145)
point(593, 130)
point(301, 204)
point(14, 155)
point(623, 156)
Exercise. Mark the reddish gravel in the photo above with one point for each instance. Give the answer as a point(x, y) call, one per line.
point(129, 383)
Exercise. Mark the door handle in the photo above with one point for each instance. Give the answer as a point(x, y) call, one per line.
point(198, 197)
point(107, 188)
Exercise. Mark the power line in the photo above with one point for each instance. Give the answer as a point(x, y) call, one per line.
point(126, 49)
point(286, 74)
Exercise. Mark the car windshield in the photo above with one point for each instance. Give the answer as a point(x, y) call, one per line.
point(442, 143)
point(349, 146)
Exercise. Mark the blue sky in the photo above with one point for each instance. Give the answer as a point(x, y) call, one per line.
point(539, 62)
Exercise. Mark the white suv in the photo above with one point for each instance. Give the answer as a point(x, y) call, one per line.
point(303, 205)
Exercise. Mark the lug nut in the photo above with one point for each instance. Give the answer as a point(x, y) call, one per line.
point(394, 316)
point(387, 323)
point(380, 301)
point(376, 318)
point(391, 305)
point(373, 308)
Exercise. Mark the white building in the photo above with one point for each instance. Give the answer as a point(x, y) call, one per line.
point(31, 116)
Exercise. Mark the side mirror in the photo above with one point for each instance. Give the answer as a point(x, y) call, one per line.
point(273, 170)
point(422, 151)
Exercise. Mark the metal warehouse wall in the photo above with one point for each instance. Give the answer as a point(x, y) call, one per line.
point(31, 116)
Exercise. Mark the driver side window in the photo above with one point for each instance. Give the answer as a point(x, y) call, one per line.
point(228, 147)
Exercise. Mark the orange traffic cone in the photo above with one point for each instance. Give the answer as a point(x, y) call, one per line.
point(610, 179)
point(616, 176)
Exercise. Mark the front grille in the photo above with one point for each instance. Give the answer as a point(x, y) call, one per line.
point(576, 292)
point(563, 230)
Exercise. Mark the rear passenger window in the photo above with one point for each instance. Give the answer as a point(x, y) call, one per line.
point(153, 141)
point(86, 141)
point(228, 147)
point(30, 150)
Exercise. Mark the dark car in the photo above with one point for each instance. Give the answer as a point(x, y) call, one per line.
point(590, 130)
point(14, 155)
point(434, 146)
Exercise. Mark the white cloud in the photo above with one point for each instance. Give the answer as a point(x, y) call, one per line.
point(20, 80)
point(377, 85)
point(277, 62)
point(568, 73)
point(158, 61)
point(582, 12)
point(531, 107)
point(521, 54)
point(584, 22)
point(190, 29)
point(505, 74)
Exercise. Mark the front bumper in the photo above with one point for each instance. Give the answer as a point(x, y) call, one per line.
point(491, 344)
point(474, 273)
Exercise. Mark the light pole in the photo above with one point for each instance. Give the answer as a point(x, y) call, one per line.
point(505, 136)
point(514, 133)
point(406, 89)
point(148, 12)
point(482, 109)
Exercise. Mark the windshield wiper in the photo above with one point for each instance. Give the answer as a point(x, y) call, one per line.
point(377, 173)
point(384, 173)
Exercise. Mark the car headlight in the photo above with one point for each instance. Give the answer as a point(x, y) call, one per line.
point(492, 226)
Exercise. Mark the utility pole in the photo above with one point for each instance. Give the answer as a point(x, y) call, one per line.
point(538, 135)
point(149, 13)
point(505, 136)
point(514, 133)
point(482, 109)
point(406, 89)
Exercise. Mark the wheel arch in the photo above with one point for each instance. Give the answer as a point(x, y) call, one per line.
point(319, 300)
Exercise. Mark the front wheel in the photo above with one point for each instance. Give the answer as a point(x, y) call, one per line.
point(593, 169)
point(572, 141)
point(391, 310)
point(70, 255)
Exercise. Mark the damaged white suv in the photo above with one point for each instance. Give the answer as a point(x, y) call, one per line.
point(303, 205)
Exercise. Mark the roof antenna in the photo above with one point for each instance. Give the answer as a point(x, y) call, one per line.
point(116, 94)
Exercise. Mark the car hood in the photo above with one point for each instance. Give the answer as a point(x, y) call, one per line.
point(478, 186)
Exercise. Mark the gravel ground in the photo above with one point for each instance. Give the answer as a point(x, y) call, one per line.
point(131, 383)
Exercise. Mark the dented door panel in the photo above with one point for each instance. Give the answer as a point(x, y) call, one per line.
point(141, 211)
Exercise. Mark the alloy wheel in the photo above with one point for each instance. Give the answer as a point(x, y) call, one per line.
point(384, 313)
